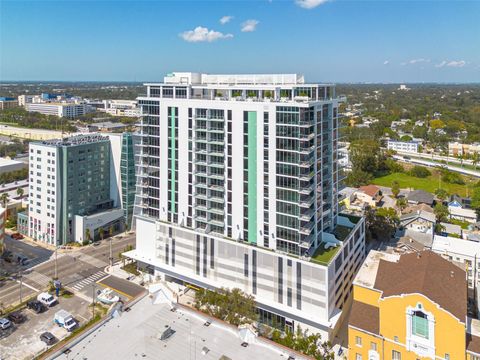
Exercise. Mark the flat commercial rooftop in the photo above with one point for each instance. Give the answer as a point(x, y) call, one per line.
point(136, 334)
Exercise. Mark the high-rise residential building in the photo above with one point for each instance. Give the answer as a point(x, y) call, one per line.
point(73, 187)
point(411, 306)
point(238, 187)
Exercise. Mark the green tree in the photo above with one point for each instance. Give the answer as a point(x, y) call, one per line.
point(20, 192)
point(441, 212)
point(419, 171)
point(476, 199)
point(101, 232)
point(381, 223)
point(441, 194)
point(402, 203)
point(395, 188)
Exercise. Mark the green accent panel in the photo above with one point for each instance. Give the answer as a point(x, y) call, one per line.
point(172, 156)
point(252, 177)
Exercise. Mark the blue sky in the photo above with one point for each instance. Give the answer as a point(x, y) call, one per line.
point(340, 41)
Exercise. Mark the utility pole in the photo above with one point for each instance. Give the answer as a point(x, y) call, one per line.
point(20, 276)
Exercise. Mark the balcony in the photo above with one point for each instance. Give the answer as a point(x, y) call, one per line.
point(307, 215)
point(307, 189)
point(306, 201)
point(307, 228)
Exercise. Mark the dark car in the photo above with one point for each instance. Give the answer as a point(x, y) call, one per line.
point(36, 306)
point(48, 338)
point(16, 317)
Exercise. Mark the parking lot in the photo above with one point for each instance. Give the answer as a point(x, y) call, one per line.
point(22, 341)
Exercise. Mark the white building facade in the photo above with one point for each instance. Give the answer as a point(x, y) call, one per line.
point(403, 146)
point(68, 110)
point(237, 187)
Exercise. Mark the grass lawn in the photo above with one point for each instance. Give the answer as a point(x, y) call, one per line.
point(429, 184)
point(323, 256)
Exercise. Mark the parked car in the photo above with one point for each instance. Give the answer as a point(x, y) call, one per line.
point(36, 306)
point(21, 259)
point(64, 319)
point(16, 317)
point(5, 323)
point(46, 299)
point(17, 236)
point(48, 338)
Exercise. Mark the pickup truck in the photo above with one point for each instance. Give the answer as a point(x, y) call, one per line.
point(65, 319)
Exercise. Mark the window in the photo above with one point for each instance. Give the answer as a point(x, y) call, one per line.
point(358, 357)
point(358, 341)
point(420, 324)
point(447, 356)
point(396, 355)
point(373, 346)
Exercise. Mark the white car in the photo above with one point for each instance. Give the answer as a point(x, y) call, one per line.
point(5, 324)
point(46, 299)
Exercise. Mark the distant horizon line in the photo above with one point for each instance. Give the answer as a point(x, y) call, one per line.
point(2, 82)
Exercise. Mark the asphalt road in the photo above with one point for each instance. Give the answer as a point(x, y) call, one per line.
point(75, 269)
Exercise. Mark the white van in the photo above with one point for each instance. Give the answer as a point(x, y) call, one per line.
point(46, 299)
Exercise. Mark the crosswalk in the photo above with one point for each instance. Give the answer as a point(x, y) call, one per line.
point(37, 278)
point(35, 262)
point(89, 280)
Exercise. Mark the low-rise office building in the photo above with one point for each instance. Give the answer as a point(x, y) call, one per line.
point(459, 149)
point(67, 110)
point(8, 103)
point(403, 146)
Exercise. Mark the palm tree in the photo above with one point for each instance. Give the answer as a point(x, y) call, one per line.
point(4, 200)
point(475, 159)
point(20, 192)
point(87, 234)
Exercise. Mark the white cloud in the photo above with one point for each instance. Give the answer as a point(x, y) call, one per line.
point(310, 4)
point(459, 63)
point(249, 25)
point(202, 34)
point(415, 61)
point(453, 63)
point(225, 19)
point(386, 62)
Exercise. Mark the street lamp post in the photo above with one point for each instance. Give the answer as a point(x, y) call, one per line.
point(93, 301)
point(111, 255)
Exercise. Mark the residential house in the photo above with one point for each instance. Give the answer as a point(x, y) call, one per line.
point(462, 214)
point(421, 221)
point(370, 195)
point(416, 197)
point(463, 253)
point(451, 230)
point(419, 207)
point(410, 306)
